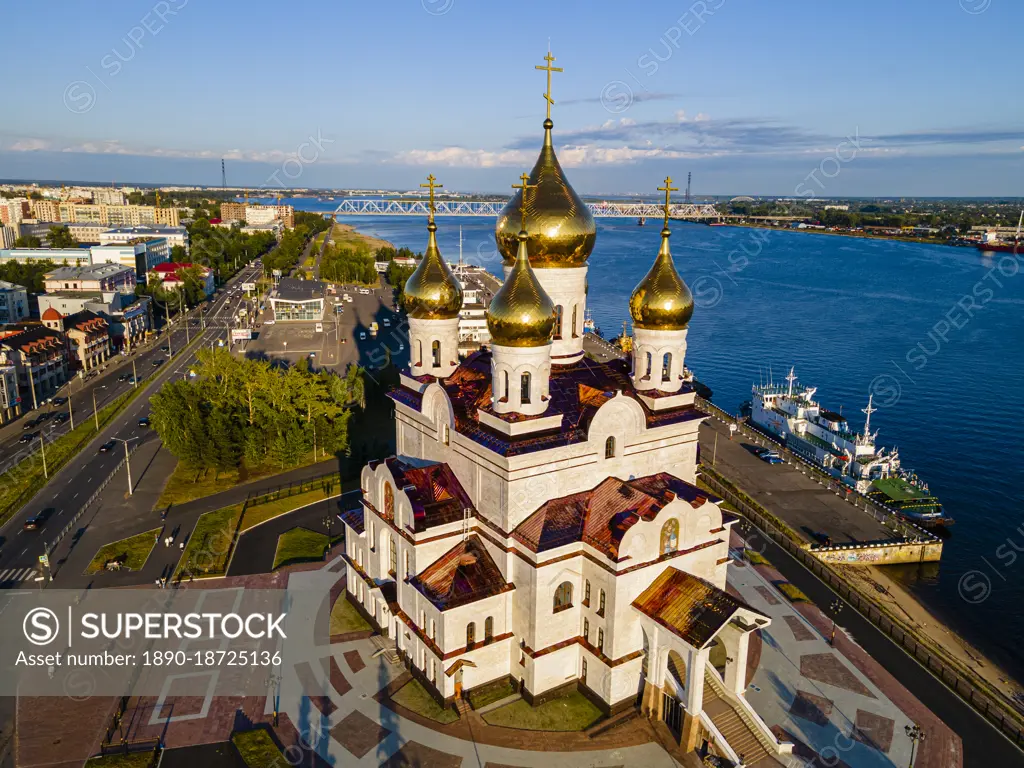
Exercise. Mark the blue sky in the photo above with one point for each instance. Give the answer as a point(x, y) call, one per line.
point(919, 97)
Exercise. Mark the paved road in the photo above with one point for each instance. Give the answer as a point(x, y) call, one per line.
point(68, 490)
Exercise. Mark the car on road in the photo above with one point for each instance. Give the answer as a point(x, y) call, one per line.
point(108, 446)
point(158, 362)
point(29, 424)
point(165, 348)
point(60, 418)
point(362, 335)
point(386, 322)
point(59, 400)
point(37, 521)
point(28, 437)
point(768, 455)
point(144, 421)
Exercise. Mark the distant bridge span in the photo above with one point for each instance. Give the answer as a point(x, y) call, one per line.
point(387, 207)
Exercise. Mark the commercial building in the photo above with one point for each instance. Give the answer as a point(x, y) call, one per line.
point(13, 303)
point(10, 399)
point(298, 300)
point(172, 277)
point(84, 234)
point(56, 255)
point(257, 214)
point(45, 210)
point(87, 334)
point(129, 317)
point(173, 235)
point(92, 278)
point(118, 215)
point(274, 228)
point(39, 356)
point(141, 255)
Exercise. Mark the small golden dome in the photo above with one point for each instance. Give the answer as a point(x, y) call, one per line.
point(562, 229)
point(521, 314)
point(661, 301)
point(432, 292)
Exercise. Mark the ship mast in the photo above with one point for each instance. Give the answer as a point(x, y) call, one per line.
point(1019, 222)
point(869, 410)
point(791, 378)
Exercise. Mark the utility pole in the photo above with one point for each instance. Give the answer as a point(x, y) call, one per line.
point(32, 385)
point(135, 375)
point(127, 461)
point(95, 413)
point(71, 413)
point(42, 451)
point(181, 301)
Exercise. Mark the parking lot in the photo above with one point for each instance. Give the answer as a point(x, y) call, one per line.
point(346, 336)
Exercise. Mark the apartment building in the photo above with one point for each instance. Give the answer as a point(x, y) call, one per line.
point(13, 303)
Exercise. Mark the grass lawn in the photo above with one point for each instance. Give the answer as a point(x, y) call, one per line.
point(134, 550)
point(187, 484)
point(260, 513)
point(210, 543)
point(756, 558)
point(257, 749)
point(491, 694)
point(569, 713)
point(133, 760)
point(414, 697)
point(345, 618)
point(299, 545)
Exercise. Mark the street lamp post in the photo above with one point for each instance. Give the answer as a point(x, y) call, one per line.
point(135, 375)
point(127, 461)
point(95, 413)
point(327, 524)
point(835, 607)
point(915, 734)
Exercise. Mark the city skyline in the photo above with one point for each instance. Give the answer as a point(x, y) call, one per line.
point(738, 94)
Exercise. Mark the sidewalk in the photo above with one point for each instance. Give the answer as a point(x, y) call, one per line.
point(837, 703)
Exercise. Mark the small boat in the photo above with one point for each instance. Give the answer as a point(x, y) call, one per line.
point(1002, 246)
point(589, 326)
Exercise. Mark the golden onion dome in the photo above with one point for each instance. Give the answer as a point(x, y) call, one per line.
point(521, 314)
point(432, 292)
point(661, 301)
point(562, 229)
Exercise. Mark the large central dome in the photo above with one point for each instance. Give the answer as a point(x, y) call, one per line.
point(562, 229)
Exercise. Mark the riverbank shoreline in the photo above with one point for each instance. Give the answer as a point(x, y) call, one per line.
point(347, 236)
point(858, 235)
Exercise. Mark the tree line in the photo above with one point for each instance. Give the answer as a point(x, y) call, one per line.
point(240, 412)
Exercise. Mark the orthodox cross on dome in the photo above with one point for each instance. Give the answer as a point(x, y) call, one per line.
point(432, 186)
point(549, 69)
point(522, 203)
point(668, 189)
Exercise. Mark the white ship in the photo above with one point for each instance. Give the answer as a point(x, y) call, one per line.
point(825, 438)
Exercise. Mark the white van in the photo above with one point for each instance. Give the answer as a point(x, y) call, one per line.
point(319, 327)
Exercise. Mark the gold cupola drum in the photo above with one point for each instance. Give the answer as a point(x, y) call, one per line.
point(561, 237)
point(661, 307)
point(432, 298)
point(521, 320)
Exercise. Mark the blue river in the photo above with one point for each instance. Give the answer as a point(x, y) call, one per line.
point(935, 332)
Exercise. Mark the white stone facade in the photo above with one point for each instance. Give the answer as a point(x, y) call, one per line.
point(520, 379)
point(567, 288)
point(433, 347)
point(658, 359)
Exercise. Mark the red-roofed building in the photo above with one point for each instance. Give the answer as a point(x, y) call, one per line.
point(40, 359)
point(172, 275)
point(88, 337)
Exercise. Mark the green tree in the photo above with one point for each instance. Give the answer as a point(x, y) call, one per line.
point(28, 241)
point(60, 237)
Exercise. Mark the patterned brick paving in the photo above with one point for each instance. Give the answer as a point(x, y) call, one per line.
point(355, 661)
point(767, 595)
point(874, 730)
point(359, 734)
point(810, 707)
point(826, 668)
point(798, 628)
point(415, 755)
point(811, 758)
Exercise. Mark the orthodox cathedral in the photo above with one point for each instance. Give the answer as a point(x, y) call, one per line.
point(540, 522)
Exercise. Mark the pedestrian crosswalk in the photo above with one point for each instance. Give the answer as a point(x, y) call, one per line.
point(17, 575)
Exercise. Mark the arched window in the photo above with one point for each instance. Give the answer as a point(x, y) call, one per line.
point(563, 596)
point(525, 388)
point(393, 570)
point(419, 352)
point(558, 322)
point(575, 332)
point(647, 370)
point(666, 367)
point(586, 592)
point(389, 502)
point(445, 434)
point(670, 537)
point(470, 634)
point(505, 389)
point(407, 574)
point(488, 629)
point(609, 448)
point(435, 351)
point(600, 607)
point(586, 630)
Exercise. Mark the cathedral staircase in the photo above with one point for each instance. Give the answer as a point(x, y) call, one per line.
point(737, 727)
point(462, 706)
